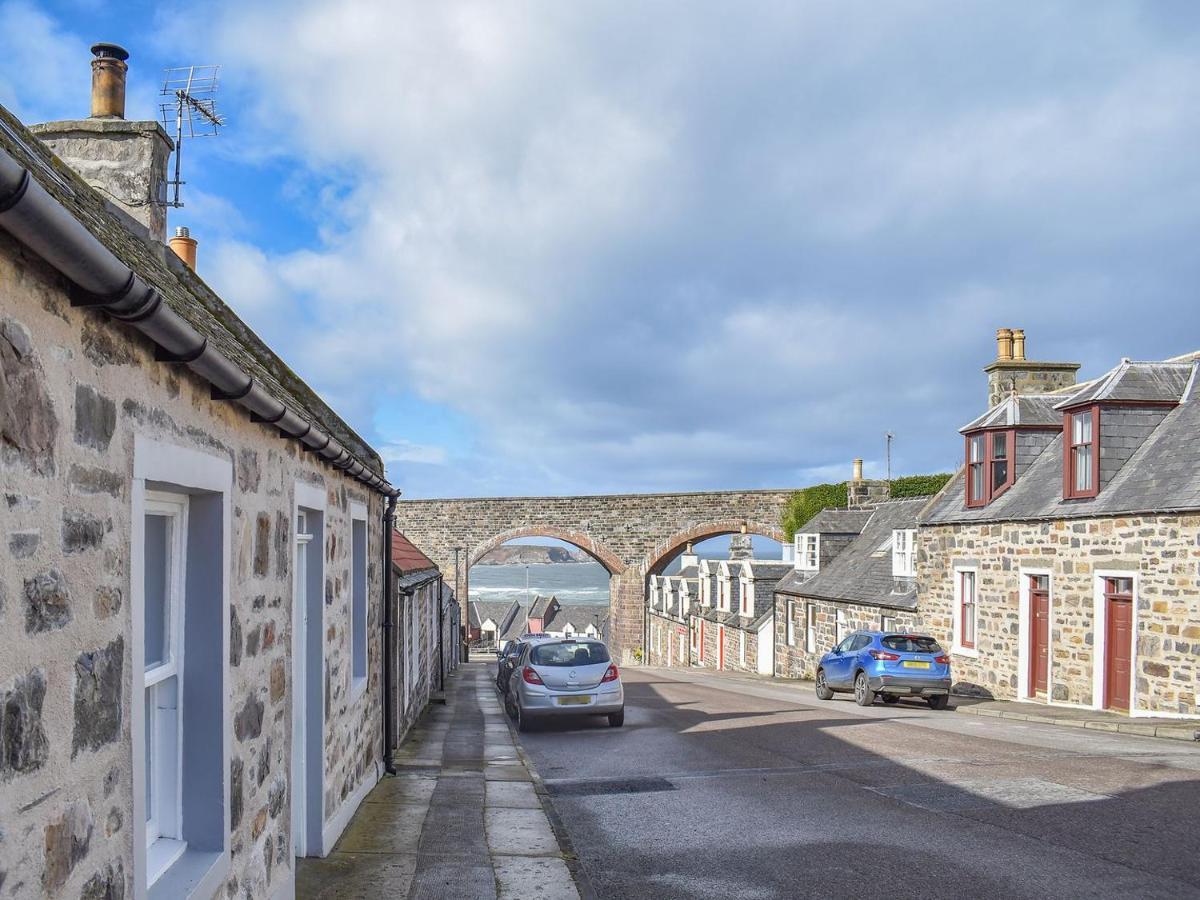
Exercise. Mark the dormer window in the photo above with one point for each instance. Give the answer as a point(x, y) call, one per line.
point(746, 601)
point(1081, 466)
point(990, 470)
point(904, 552)
point(808, 552)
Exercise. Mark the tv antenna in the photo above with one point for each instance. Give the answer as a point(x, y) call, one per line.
point(193, 107)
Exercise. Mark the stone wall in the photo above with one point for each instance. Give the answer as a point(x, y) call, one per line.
point(1164, 553)
point(75, 389)
point(793, 661)
point(632, 535)
point(666, 630)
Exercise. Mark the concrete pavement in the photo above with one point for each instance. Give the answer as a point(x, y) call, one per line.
point(723, 787)
point(461, 820)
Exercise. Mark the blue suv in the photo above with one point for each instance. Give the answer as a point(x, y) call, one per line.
point(882, 664)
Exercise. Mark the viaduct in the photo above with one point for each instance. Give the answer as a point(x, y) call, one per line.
point(633, 536)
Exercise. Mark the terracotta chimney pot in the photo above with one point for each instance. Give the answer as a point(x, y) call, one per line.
point(184, 246)
point(1018, 339)
point(1004, 343)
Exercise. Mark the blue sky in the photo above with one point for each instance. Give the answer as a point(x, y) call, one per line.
point(589, 247)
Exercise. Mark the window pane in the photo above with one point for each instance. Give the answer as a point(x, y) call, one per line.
point(1083, 427)
point(157, 586)
point(977, 448)
point(1083, 468)
point(977, 481)
point(999, 473)
point(1000, 445)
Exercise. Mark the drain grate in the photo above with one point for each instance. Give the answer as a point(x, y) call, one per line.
point(602, 786)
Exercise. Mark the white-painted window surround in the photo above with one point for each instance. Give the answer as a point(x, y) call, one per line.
point(747, 598)
point(810, 628)
point(966, 611)
point(904, 552)
point(808, 552)
point(842, 628)
point(791, 623)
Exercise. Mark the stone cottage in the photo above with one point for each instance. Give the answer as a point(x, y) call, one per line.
point(668, 614)
point(853, 570)
point(1062, 564)
point(193, 552)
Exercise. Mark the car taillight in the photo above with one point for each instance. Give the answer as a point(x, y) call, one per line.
point(883, 654)
point(530, 676)
point(611, 675)
point(943, 659)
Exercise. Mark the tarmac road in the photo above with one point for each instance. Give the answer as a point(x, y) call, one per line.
point(723, 788)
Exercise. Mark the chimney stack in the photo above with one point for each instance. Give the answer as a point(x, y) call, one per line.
point(108, 81)
point(1004, 344)
point(184, 246)
point(857, 470)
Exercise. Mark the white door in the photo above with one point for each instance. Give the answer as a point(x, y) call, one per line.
point(299, 790)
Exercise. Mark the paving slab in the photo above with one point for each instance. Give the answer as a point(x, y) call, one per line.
point(534, 878)
point(353, 876)
point(512, 794)
point(384, 828)
point(520, 832)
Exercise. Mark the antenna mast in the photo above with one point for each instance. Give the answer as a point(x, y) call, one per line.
point(193, 107)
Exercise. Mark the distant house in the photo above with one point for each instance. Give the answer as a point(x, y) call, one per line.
point(668, 614)
point(1062, 564)
point(735, 632)
point(493, 621)
point(852, 570)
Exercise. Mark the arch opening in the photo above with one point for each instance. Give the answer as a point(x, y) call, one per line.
point(671, 549)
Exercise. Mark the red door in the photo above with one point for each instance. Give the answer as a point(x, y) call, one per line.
point(721, 647)
point(1118, 665)
point(1039, 638)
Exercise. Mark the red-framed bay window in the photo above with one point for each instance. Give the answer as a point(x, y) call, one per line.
point(991, 465)
point(1081, 452)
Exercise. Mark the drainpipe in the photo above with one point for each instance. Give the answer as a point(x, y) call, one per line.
point(441, 640)
point(389, 521)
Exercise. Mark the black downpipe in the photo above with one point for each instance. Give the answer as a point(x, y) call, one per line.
point(389, 521)
point(441, 639)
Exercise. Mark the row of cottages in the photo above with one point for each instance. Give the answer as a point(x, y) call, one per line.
point(495, 622)
point(852, 569)
point(1062, 563)
point(193, 623)
point(729, 626)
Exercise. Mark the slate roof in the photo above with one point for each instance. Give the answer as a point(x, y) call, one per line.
point(540, 604)
point(496, 610)
point(1153, 382)
point(581, 615)
point(837, 521)
point(407, 557)
point(862, 573)
point(1162, 474)
point(689, 572)
point(181, 288)
point(1029, 410)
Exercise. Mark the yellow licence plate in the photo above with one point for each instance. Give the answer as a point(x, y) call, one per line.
point(574, 701)
point(915, 664)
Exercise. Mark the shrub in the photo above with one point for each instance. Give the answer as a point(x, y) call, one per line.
point(919, 485)
point(807, 502)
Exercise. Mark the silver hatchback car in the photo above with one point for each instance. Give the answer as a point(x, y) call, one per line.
point(564, 677)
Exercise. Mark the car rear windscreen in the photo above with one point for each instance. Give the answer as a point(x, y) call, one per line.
point(911, 643)
point(569, 653)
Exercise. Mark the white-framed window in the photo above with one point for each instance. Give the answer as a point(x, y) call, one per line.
point(808, 552)
point(655, 590)
point(887, 623)
point(358, 599)
point(705, 589)
point(791, 623)
point(810, 628)
point(741, 647)
point(966, 610)
point(694, 635)
point(904, 552)
point(164, 568)
point(841, 628)
point(723, 592)
point(747, 598)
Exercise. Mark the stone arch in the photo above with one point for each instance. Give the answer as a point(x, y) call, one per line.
point(665, 551)
point(597, 551)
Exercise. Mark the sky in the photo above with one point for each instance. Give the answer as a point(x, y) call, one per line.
point(588, 247)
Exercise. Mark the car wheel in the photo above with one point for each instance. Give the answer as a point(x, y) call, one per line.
point(523, 723)
point(509, 709)
point(890, 698)
point(617, 719)
point(941, 701)
point(823, 690)
point(863, 695)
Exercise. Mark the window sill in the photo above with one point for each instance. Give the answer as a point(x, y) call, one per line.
point(196, 873)
point(357, 686)
point(161, 855)
point(969, 652)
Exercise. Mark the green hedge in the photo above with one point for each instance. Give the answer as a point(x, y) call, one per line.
point(807, 502)
point(919, 485)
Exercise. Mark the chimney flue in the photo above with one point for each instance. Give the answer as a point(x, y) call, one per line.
point(184, 246)
point(1004, 343)
point(108, 81)
point(857, 470)
point(1018, 337)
